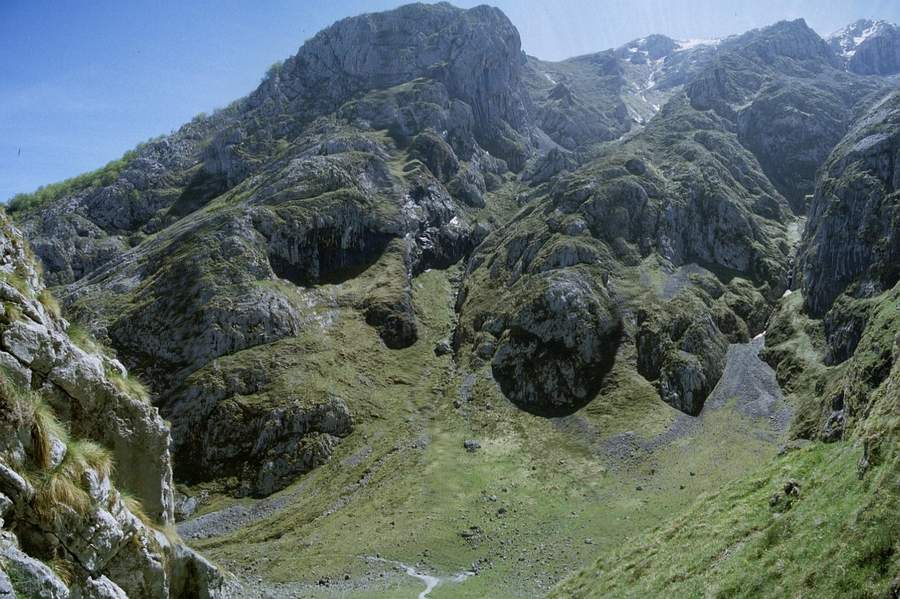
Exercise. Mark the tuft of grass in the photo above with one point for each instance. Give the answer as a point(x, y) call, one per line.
point(136, 507)
point(130, 385)
point(87, 455)
point(45, 427)
point(82, 337)
point(17, 281)
point(12, 312)
point(63, 569)
point(49, 302)
point(170, 532)
point(60, 488)
point(16, 403)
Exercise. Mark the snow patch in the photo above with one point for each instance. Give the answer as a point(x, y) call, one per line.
point(851, 37)
point(694, 43)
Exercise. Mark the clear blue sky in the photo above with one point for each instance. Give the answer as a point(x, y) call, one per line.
point(83, 81)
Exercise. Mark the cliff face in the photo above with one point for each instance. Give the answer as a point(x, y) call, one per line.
point(375, 145)
point(868, 47)
point(847, 268)
point(76, 432)
point(835, 344)
point(852, 238)
point(475, 55)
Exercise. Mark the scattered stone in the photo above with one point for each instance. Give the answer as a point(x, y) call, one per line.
point(471, 445)
point(792, 488)
point(443, 348)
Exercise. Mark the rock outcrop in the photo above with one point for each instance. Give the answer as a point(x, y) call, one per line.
point(848, 276)
point(69, 414)
point(851, 243)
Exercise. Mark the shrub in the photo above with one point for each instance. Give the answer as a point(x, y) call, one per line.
point(273, 70)
point(26, 202)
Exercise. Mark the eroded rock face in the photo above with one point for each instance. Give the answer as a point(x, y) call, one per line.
point(868, 47)
point(74, 511)
point(791, 104)
point(263, 446)
point(77, 383)
point(682, 350)
point(856, 203)
point(475, 54)
point(551, 355)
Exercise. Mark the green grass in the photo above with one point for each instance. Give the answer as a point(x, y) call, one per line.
point(840, 538)
point(17, 281)
point(44, 195)
point(81, 336)
point(136, 508)
point(403, 487)
point(17, 405)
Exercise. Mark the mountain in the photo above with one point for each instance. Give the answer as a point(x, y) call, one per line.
point(868, 47)
point(423, 298)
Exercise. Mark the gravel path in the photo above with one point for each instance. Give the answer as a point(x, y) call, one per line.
point(233, 518)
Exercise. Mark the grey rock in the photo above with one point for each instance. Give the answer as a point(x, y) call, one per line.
point(577, 318)
point(850, 206)
point(443, 347)
point(33, 578)
point(98, 588)
point(6, 589)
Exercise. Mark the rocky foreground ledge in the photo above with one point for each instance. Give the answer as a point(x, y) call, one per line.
point(85, 472)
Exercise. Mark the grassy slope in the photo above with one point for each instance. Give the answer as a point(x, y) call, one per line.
point(402, 486)
point(841, 538)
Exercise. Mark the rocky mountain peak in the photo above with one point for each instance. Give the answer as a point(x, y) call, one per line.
point(847, 40)
point(476, 54)
point(868, 47)
point(652, 47)
point(787, 39)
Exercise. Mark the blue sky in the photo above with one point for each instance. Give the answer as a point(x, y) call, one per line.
point(83, 81)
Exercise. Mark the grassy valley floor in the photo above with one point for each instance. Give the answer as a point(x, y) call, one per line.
point(539, 499)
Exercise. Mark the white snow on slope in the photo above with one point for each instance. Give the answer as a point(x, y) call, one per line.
point(693, 43)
